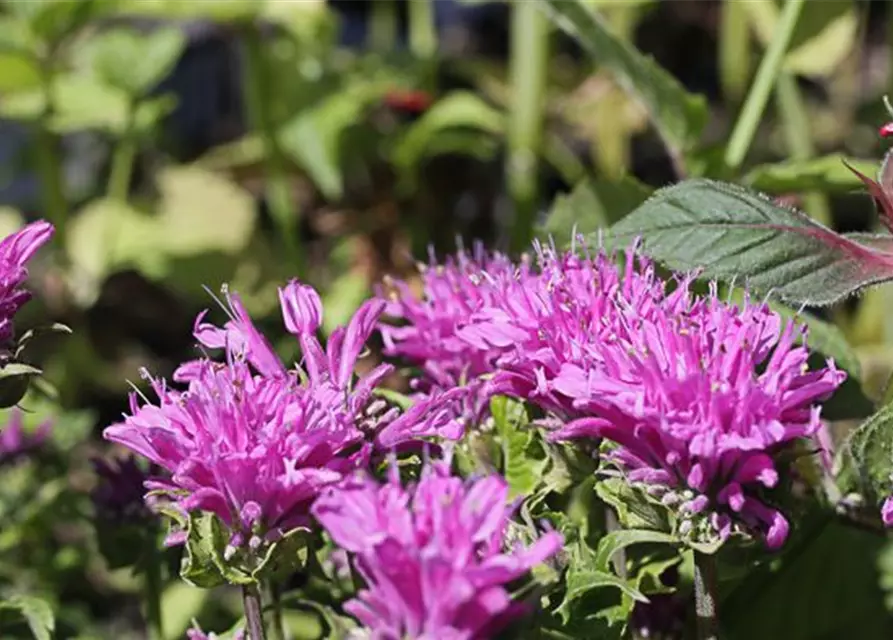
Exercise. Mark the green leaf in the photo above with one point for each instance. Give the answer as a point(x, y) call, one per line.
point(828, 174)
point(217, 10)
point(135, 63)
point(460, 111)
point(823, 38)
point(731, 232)
point(37, 613)
point(635, 509)
point(313, 138)
point(343, 298)
point(53, 20)
point(592, 205)
point(523, 460)
point(871, 449)
point(809, 592)
point(199, 212)
point(622, 538)
point(582, 582)
point(678, 115)
point(204, 564)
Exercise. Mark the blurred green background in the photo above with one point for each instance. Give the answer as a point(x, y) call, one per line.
point(183, 144)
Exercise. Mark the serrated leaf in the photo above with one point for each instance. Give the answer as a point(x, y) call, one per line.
point(592, 205)
point(828, 174)
point(635, 509)
point(204, 564)
point(678, 115)
point(37, 613)
point(522, 468)
point(871, 448)
point(614, 541)
point(731, 232)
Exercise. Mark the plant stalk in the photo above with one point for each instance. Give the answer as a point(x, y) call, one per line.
point(153, 586)
point(705, 596)
point(254, 618)
point(123, 160)
point(734, 50)
point(760, 90)
point(528, 62)
point(276, 601)
point(258, 98)
point(795, 123)
point(382, 32)
point(422, 30)
point(48, 158)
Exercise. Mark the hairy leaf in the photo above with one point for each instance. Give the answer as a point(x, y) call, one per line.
point(677, 114)
point(622, 538)
point(732, 232)
point(523, 461)
point(871, 449)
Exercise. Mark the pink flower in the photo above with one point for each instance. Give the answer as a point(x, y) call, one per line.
point(430, 334)
point(15, 251)
point(432, 555)
point(15, 441)
point(698, 395)
point(887, 512)
point(255, 443)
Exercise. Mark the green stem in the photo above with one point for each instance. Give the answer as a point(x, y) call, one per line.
point(276, 599)
point(153, 586)
point(422, 31)
point(795, 124)
point(734, 50)
point(528, 64)
point(123, 159)
point(752, 111)
point(705, 596)
point(258, 98)
point(49, 160)
point(382, 25)
point(254, 619)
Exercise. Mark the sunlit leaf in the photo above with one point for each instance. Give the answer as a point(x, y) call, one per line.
point(36, 612)
point(592, 205)
point(135, 63)
point(677, 114)
point(828, 173)
point(731, 232)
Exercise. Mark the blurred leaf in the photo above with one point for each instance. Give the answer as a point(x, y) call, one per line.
point(52, 20)
point(180, 604)
point(677, 114)
point(14, 380)
point(217, 10)
point(17, 73)
point(809, 592)
point(823, 38)
point(828, 174)
point(82, 102)
point(198, 212)
point(594, 204)
point(313, 138)
point(730, 232)
point(458, 111)
point(36, 612)
point(343, 298)
point(133, 62)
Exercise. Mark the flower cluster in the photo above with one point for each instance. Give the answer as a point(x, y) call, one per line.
point(432, 556)
point(254, 442)
point(430, 336)
point(15, 440)
point(15, 251)
point(697, 394)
